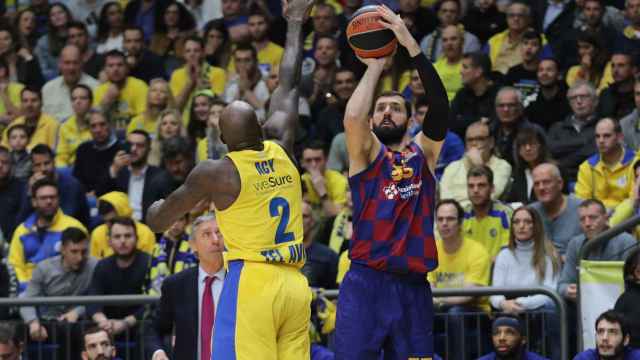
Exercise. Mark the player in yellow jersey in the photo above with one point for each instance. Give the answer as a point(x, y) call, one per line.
point(264, 308)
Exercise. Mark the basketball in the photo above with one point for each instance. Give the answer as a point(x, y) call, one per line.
point(367, 37)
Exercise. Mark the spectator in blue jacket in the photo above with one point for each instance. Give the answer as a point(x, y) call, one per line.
point(612, 339)
point(509, 341)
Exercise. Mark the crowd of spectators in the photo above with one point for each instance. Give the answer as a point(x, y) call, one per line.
point(106, 106)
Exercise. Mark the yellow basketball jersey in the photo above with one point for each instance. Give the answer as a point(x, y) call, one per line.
point(265, 222)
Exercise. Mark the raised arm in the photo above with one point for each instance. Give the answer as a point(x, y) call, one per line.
point(283, 108)
point(362, 145)
point(434, 127)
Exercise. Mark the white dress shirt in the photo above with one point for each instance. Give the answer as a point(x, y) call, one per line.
point(135, 191)
point(216, 289)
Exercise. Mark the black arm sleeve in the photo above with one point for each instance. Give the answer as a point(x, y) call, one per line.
point(436, 120)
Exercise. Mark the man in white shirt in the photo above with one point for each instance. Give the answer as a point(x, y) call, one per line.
point(56, 93)
point(179, 308)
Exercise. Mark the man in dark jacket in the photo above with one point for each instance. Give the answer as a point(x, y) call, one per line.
point(616, 101)
point(572, 141)
point(130, 173)
point(475, 101)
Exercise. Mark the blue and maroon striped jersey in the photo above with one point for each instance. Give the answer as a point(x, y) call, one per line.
point(393, 213)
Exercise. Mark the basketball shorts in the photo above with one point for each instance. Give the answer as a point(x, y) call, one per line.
point(263, 313)
point(384, 315)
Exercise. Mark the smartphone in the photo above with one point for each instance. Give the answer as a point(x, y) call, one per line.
point(126, 147)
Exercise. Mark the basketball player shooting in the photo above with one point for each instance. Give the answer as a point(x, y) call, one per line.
point(385, 303)
point(264, 308)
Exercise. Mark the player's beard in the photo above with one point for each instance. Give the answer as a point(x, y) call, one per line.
point(390, 135)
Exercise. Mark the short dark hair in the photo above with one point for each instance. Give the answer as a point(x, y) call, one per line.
point(93, 330)
point(9, 334)
point(195, 38)
point(315, 145)
point(115, 53)
point(456, 204)
point(78, 25)
point(245, 46)
point(42, 149)
point(481, 170)
point(421, 101)
point(73, 235)
point(32, 89)
point(133, 28)
point(14, 127)
point(532, 34)
point(147, 137)
point(43, 183)
point(257, 11)
point(393, 93)
point(613, 316)
point(218, 101)
point(84, 87)
point(326, 36)
point(124, 221)
point(105, 207)
point(176, 146)
point(479, 60)
point(588, 202)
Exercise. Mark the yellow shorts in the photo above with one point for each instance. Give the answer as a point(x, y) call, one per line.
point(263, 313)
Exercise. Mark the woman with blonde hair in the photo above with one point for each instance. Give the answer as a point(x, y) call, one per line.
point(169, 126)
point(159, 98)
point(530, 260)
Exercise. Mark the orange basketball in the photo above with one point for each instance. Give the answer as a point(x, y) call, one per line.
point(367, 37)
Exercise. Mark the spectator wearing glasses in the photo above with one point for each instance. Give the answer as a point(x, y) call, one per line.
point(572, 141)
point(479, 151)
point(504, 48)
point(510, 118)
point(38, 237)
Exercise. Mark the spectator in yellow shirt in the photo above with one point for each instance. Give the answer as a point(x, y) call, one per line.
point(43, 127)
point(485, 220)
point(606, 175)
point(159, 99)
point(195, 75)
point(112, 205)
point(122, 97)
point(462, 263)
point(269, 53)
point(75, 130)
point(449, 65)
point(9, 95)
point(326, 188)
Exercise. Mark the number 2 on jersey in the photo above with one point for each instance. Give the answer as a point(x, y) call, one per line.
point(280, 207)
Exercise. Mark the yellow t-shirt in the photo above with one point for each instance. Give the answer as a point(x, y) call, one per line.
point(492, 231)
point(217, 79)
point(574, 74)
point(336, 184)
point(141, 122)
point(264, 224)
point(13, 90)
point(46, 131)
point(69, 138)
point(469, 265)
point(268, 57)
point(131, 102)
point(99, 247)
point(450, 75)
point(386, 83)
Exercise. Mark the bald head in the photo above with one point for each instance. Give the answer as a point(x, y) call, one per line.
point(239, 127)
point(70, 65)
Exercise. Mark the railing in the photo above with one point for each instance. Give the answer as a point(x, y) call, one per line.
point(332, 294)
point(488, 291)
